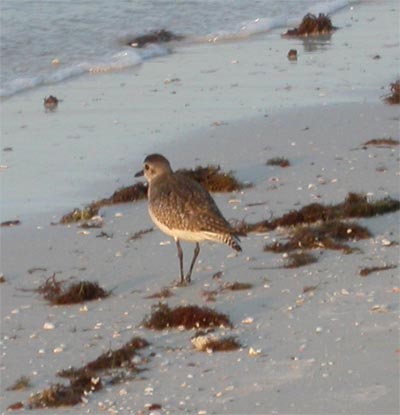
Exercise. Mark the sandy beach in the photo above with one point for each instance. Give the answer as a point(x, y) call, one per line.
point(332, 348)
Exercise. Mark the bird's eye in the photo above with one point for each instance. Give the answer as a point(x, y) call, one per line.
point(146, 167)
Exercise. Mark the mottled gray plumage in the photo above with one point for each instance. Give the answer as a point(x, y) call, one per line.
point(183, 209)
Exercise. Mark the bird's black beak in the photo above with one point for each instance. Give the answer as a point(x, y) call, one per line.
point(139, 173)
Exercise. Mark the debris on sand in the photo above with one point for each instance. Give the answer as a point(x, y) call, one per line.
point(312, 25)
point(15, 406)
point(237, 286)
point(300, 259)
point(381, 142)
point(328, 235)
point(278, 161)
point(65, 395)
point(96, 222)
point(292, 55)
point(9, 223)
point(355, 205)
point(212, 343)
point(110, 360)
point(156, 36)
point(86, 379)
point(163, 293)
point(57, 294)
point(394, 97)
point(190, 316)
point(50, 103)
point(139, 234)
point(210, 295)
point(213, 179)
point(21, 383)
point(132, 193)
point(364, 272)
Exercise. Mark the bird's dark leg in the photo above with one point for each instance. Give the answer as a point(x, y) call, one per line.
point(180, 256)
point(195, 255)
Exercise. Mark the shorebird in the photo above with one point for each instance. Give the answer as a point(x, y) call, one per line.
point(50, 103)
point(183, 209)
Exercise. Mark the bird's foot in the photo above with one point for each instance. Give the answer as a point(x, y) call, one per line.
point(182, 283)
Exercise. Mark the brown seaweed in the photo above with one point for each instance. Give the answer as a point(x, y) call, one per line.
point(190, 316)
point(58, 294)
point(312, 25)
point(155, 36)
point(300, 259)
point(328, 235)
point(364, 272)
point(394, 97)
point(278, 161)
point(355, 205)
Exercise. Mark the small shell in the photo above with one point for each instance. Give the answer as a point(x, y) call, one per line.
point(58, 349)
point(84, 233)
point(48, 326)
point(254, 352)
point(201, 342)
point(380, 308)
point(95, 381)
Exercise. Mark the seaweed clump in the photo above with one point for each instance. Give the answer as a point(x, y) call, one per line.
point(278, 161)
point(139, 234)
point(65, 395)
point(312, 25)
point(9, 223)
point(364, 272)
point(210, 295)
point(110, 360)
point(190, 316)
point(156, 36)
point(86, 379)
point(132, 193)
point(355, 205)
point(20, 384)
point(300, 259)
point(328, 235)
point(237, 286)
point(165, 292)
point(381, 142)
point(212, 343)
point(212, 179)
point(394, 96)
point(57, 294)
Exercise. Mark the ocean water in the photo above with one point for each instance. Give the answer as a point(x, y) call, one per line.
point(87, 36)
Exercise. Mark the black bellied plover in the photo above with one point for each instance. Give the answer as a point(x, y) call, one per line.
point(183, 209)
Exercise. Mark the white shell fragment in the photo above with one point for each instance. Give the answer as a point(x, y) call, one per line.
point(202, 342)
point(254, 352)
point(48, 326)
point(59, 349)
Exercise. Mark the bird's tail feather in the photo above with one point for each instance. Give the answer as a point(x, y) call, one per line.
point(229, 239)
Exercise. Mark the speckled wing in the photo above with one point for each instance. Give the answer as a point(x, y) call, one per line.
point(181, 203)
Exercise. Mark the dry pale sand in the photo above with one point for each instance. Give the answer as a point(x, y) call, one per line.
point(333, 349)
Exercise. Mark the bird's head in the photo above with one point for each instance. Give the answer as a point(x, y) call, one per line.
point(154, 165)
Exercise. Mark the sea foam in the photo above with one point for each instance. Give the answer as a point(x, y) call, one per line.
point(126, 58)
